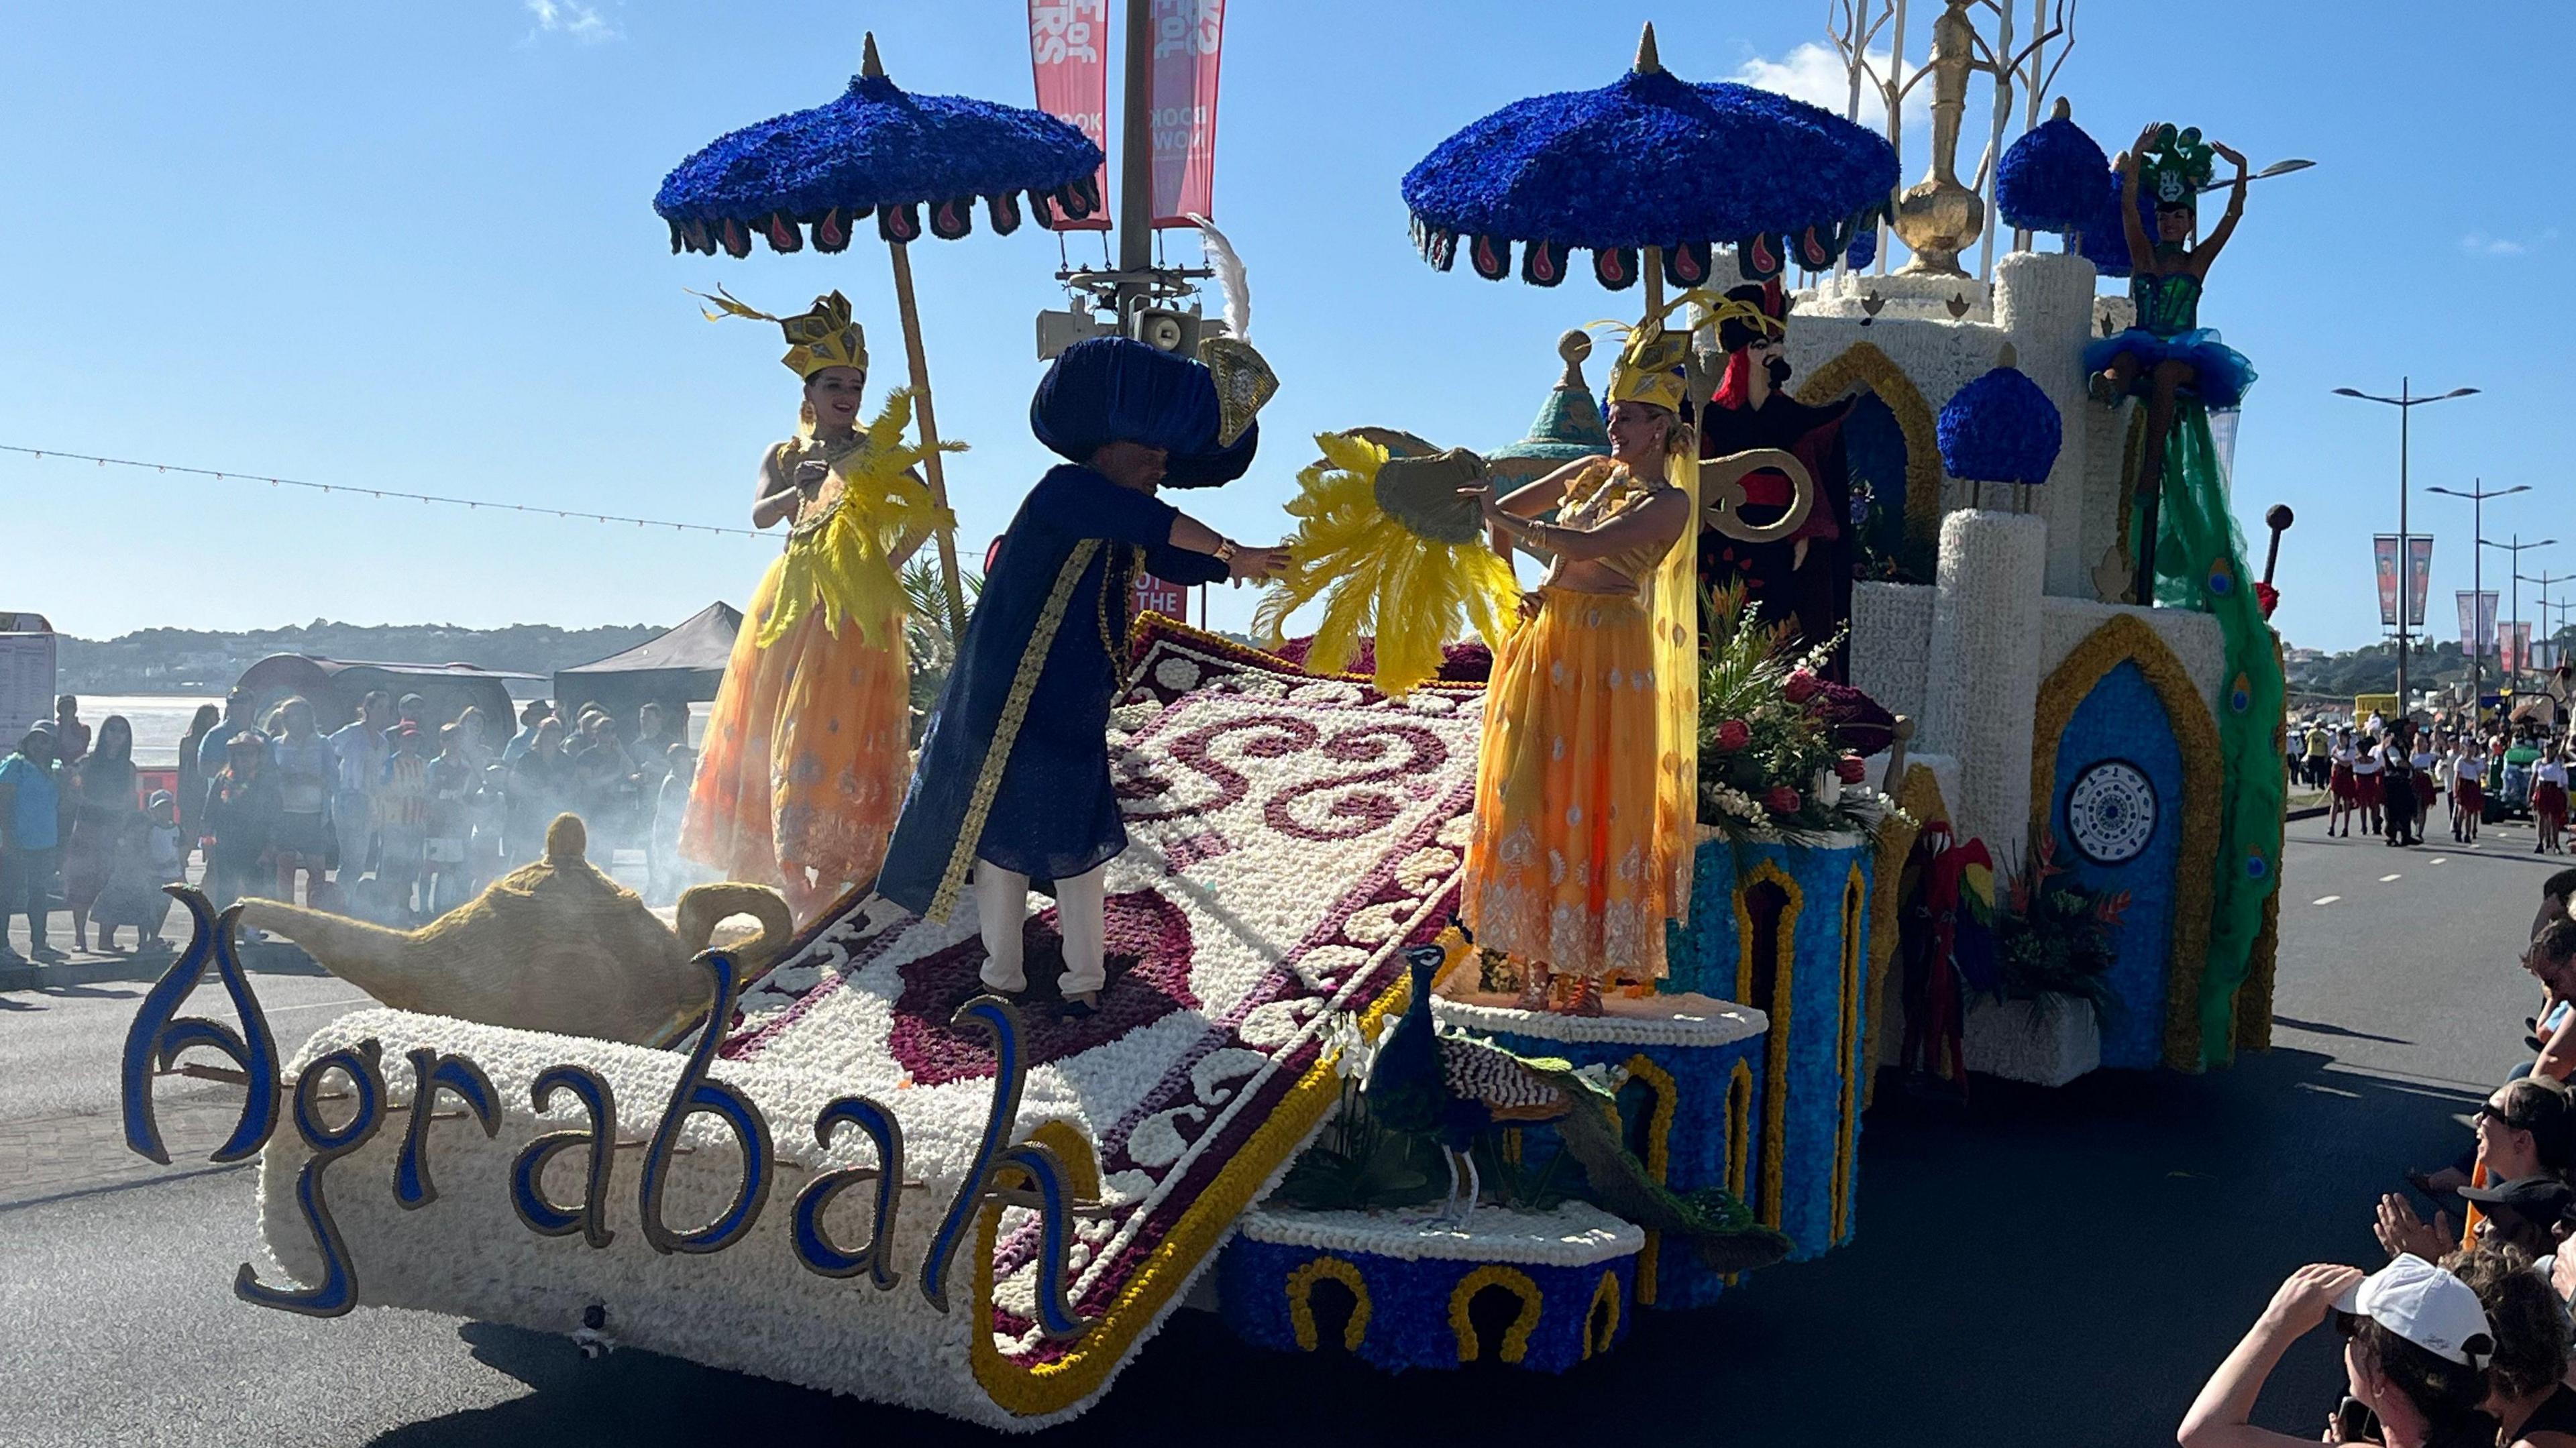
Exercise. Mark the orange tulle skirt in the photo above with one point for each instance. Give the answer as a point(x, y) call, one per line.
point(807, 752)
point(1565, 868)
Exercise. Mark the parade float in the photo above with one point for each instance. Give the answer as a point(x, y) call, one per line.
point(1952, 759)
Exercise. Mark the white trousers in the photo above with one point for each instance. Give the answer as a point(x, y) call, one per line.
point(1002, 908)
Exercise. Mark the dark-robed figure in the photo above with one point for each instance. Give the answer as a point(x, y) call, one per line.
point(1012, 787)
point(1780, 535)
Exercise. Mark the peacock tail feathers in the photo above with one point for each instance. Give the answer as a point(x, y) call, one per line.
point(842, 561)
point(1721, 1229)
point(1378, 578)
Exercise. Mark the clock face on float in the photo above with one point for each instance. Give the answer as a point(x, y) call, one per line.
point(2111, 812)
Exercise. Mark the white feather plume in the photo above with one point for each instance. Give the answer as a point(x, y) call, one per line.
point(1230, 278)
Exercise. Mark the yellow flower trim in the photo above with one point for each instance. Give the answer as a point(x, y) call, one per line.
point(1301, 1302)
point(1919, 795)
point(1006, 731)
point(2123, 639)
point(1055, 1386)
point(1775, 1107)
point(1846, 1137)
point(1607, 1295)
point(1516, 1337)
point(1082, 1178)
point(1739, 1126)
point(1659, 1157)
point(1861, 367)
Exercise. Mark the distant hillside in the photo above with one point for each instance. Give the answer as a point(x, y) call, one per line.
point(174, 660)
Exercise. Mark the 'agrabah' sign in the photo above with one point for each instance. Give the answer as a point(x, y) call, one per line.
point(1029, 1173)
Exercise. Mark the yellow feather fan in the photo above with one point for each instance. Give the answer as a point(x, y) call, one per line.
point(840, 560)
point(1377, 576)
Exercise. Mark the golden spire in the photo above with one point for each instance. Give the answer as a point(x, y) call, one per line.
point(869, 65)
point(1647, 61)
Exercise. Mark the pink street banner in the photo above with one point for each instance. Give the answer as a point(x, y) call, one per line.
point(1067, 49)
point(2477, 621)
point(2383, 554)
point(1188, 37)
point(2514, 648)
point(2419, 576)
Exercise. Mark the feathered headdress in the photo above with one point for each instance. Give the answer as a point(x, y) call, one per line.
point(819, 337)
point(1390, 555)
point(2174, 169)
point(841, 560)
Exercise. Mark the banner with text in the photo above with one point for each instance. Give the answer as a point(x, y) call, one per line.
point(2383, 558)
point(2419, 576)
point(1155, 595)
point(1188, 36)
point(2514, 652)
point(2477, 621)
point(1067, 41)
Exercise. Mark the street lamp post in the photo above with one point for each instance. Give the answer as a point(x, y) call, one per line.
point(2544, 580)
point(2477, 496)
point(2517, 548)
point(2405, 402)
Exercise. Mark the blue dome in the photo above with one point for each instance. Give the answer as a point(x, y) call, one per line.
point(877, 148)
point(2051, 179)
point(2000, 429)
point(1651, 160)
point(2106, 242)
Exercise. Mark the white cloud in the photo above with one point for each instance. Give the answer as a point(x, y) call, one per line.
point(574, 18)
point(1814, 73)
point(2478, 243)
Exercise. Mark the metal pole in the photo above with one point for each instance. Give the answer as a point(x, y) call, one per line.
point(2477, 594)
point(2517, 612)
point(1136, 161)
point(2405, 560)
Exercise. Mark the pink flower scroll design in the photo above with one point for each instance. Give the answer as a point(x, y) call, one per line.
point(1268, 736)
point(1394, 750)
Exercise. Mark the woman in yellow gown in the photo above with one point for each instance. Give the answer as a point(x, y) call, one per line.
point(808, 748)
point(1587, 776)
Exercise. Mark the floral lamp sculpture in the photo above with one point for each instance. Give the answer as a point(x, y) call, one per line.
point(881, 151)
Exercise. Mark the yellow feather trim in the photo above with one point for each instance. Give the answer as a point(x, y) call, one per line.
point(1378, 578)
point(842, 561)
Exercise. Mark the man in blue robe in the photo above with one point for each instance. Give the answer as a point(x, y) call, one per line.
point(1013, 783)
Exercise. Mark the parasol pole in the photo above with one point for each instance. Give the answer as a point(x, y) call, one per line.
point(946, 533)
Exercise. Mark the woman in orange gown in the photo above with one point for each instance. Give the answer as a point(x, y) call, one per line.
point(1587, 776)
point(807, 750)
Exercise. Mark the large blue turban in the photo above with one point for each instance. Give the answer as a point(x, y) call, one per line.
point(1111, 389)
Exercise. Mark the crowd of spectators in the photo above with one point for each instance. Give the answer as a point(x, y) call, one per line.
point(2463, 1338)
point(397, 817)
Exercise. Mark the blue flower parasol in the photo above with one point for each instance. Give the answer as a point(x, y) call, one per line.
point(878, 149)
point(2051, 179)
point(881, 150)
point(1650, 160)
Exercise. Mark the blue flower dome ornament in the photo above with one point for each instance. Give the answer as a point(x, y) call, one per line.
point(2106, 241)
point(2052, 178)
point(2000, 429)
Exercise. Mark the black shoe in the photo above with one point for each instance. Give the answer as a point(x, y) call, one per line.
point(1078, 1007)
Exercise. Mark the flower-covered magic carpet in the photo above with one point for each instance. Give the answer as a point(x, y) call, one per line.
point(1289, 836)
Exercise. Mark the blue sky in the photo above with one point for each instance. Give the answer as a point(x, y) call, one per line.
point(412, 247)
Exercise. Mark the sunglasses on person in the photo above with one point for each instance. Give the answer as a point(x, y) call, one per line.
point(2502, 1117)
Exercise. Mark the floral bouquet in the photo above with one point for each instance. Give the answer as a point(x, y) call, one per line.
point(1771, 764)
point(2056, 938)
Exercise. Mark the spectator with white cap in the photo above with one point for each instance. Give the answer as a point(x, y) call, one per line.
point(2416, 1343)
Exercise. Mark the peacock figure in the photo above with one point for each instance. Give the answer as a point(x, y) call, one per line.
point(1452, 1087)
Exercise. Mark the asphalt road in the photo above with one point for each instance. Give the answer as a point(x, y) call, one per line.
point(2040, 1268)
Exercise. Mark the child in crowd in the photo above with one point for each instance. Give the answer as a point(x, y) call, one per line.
point(667, 873)
point(402, 822)
point(484, 815)
point(451, 779)
point(147, 857)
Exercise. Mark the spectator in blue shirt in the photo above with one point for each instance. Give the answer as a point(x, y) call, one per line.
point(31, 821)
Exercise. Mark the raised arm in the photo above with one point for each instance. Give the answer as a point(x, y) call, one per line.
point(2142, 252)
point(2226, 227)
point(1531, 499)
point(2219, 1417)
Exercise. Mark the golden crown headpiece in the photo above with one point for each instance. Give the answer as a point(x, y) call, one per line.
point(1651, 362)
point(819, 337)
